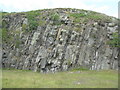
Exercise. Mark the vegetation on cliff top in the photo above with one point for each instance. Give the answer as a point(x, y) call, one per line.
point(39, 18)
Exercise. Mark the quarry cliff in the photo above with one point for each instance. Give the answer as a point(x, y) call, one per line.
point(59, 39)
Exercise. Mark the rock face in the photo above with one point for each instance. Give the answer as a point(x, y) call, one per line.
point(60, 41)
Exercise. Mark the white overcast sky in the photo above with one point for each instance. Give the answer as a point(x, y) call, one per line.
point(109, 7)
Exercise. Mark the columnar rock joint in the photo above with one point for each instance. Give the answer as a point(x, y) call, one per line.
point(52, 48)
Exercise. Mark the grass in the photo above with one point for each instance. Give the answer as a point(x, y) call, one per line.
point(115, 42)
point(33, 23)
point(91, 15)
point(77, 15)
point(8, 37)
point(5, 35)
point(55, 17)
point(69, 79)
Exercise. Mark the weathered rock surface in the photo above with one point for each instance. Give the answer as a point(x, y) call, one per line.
point(58, 47)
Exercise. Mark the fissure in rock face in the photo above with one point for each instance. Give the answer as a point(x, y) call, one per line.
point(59, 40)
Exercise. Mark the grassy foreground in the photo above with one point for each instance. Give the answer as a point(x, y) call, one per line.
point(69, 79)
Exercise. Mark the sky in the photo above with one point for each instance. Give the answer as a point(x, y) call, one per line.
point(108, 7)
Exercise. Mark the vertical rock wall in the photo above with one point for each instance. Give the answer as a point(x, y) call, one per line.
point(53, 48)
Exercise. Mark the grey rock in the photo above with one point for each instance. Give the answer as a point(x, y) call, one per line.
point(52, 47)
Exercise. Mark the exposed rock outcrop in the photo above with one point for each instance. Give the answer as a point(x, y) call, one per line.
point(59, 39)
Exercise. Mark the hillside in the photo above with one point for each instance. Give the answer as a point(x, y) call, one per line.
point(59, 39)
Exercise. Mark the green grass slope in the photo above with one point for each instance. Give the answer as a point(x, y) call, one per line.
point(69, 79)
